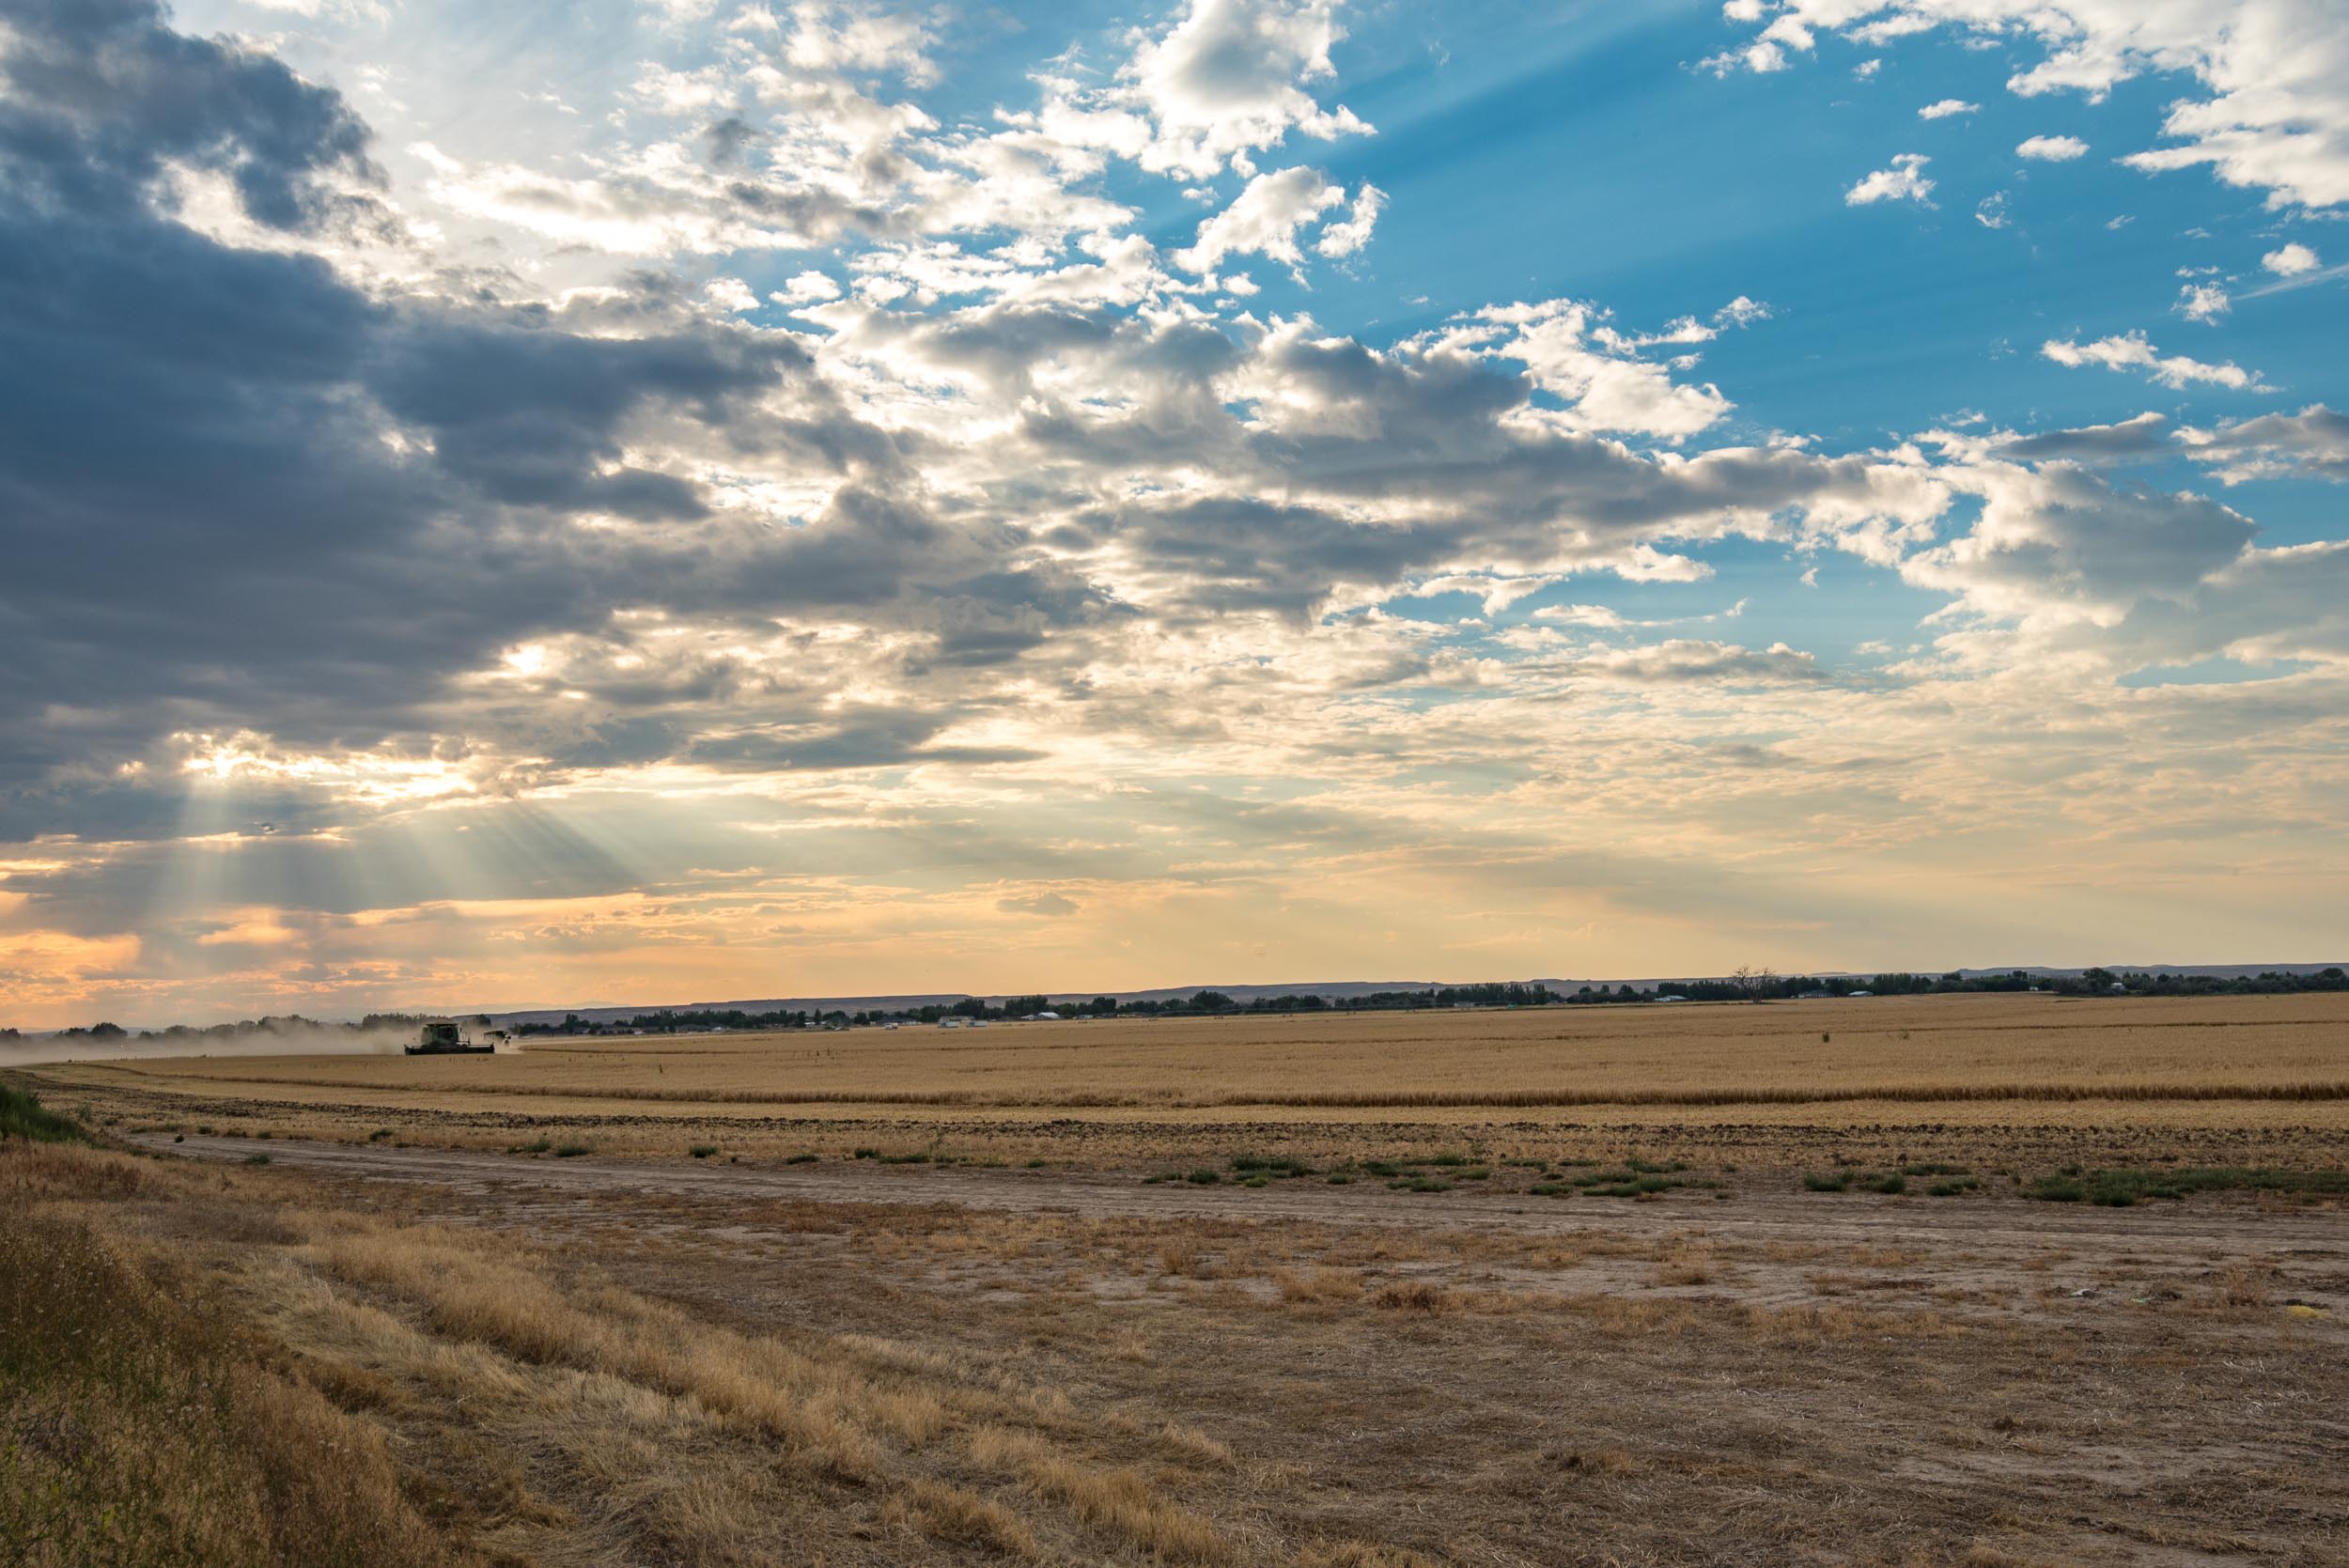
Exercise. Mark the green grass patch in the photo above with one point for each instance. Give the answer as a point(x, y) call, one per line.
point(1449, 1161)
point(23, 1115)
point(1205, 1176)
point(1337, 1178)
point(1893, 1184)
point(379, 1135)
point(916, 1157)
point(803, 1159)
point(1420, 1183)
point(868, 1154)
point(1953, 1188)
point(1271, 1165)
point(572, 1151)
point(2122, 1189)
point(1827, 1181)
point(703, 1151)
point(257, 1159)
point(1638, 1186)
point(1930, 1168)
point(539, 1147)
point(1553, 1190)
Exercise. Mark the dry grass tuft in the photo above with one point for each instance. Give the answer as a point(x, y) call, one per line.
point(1413, 1295)
point(963, 1518)
point(1318, 1284)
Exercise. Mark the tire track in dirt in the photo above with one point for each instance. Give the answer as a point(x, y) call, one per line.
point(2206, 1228)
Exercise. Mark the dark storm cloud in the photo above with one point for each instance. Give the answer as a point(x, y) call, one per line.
point(206, 526)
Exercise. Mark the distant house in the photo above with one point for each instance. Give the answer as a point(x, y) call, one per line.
point(1813, 996)
point(1672, 999)
point(1054, 1016)
point(2118, 987)
point(1859, 993)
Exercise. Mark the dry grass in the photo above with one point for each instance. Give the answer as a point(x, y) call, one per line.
point(686, 1381)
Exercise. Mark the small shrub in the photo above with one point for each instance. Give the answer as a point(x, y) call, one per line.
point(2056, 1190)
point(703, 1151)
point(1475, 1174)
point(1337, 1178)
point(803, 1159)
point(1893, 1184)
point(571, 1151)
point(379, 1135)
point(1931, 1169)
point(539, 1147)
point(257, 1159)
point(1036, 1164)
point(868, 1154)
point(1448, 1159)
point(1832, 1180)
point(1205, 1176)
point(1553, 1190)
point(916, 1157)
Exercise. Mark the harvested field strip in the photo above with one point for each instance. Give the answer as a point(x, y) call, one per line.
point(1372, 1098)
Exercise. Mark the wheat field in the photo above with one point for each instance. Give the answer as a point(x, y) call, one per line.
point(1949, 1049)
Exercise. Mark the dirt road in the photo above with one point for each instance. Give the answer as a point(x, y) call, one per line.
point(2207, 1228)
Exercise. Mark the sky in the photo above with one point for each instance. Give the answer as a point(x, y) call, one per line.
point(654, 500)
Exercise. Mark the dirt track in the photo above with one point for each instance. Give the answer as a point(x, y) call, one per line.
point(2206, 1228)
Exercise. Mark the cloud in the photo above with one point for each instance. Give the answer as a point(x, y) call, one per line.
point(2203, 302)
point(2313, 443)
point(1226, 82)
point(1353, 233)
point(1047, 905)
point(1263, 220)
point(1904, 180)
point(2291, 260)
point(2146, 435)
point(2132, 351)
point(1944, 108)
point(2051, 150)
point(1991, 211)
point(2272, 111)
point(1568, 352)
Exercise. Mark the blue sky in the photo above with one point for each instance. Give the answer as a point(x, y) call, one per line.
point(651, 501)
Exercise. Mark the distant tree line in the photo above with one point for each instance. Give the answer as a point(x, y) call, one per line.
point(1744, 986)
point(669, 1020)
point(1764, 986)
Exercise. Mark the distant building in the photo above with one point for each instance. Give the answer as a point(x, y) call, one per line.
point(1859, 993)
point(1054, 1016)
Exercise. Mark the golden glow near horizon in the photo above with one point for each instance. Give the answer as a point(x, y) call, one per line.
point(860, 501)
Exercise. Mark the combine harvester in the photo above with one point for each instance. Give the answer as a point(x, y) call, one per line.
point(439, 1038)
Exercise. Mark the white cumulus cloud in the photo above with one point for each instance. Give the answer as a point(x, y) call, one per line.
point(2132, 351)
point(1904, 180)
point(2051, 150)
